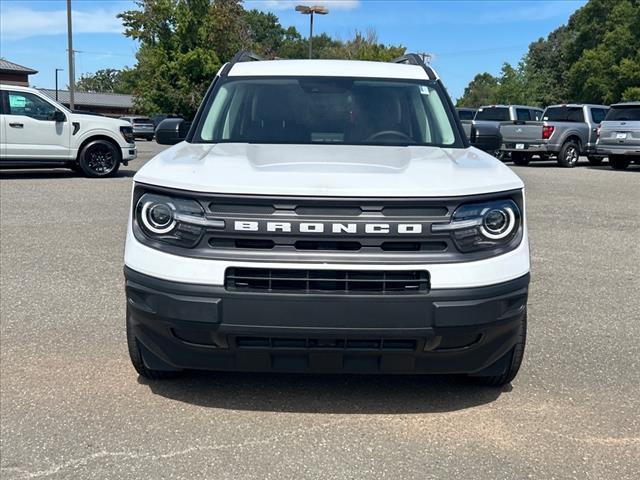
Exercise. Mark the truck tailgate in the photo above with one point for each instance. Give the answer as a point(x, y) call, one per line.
point(521, 132)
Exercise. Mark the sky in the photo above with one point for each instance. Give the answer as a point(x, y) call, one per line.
point(464, 37)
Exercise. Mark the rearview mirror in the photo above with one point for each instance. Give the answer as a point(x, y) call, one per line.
point(172, 130)
point(59, 116)
point(486, 137)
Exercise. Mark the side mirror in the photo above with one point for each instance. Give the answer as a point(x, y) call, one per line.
point(486, 136)
point(59, 116)
point(172, 130)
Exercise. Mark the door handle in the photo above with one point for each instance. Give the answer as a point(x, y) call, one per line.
point(16, 125)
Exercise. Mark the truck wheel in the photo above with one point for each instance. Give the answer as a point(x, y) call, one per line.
point(619, 162)
point(514, 360)
point(99, 158)
point(520, 158)
point(135, 354)
point(595, 161)
point(569, 154)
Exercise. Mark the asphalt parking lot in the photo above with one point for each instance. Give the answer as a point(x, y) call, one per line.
point(71, 406)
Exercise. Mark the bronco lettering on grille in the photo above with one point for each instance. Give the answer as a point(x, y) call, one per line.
point(333, 228)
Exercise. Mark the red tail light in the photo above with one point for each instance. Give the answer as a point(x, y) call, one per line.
point(547, 131)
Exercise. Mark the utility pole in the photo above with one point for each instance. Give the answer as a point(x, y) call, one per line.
point(57, 70)
point(72, 76)
point(303, 9)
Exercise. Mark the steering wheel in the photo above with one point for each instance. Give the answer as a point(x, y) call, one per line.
point(395, 133)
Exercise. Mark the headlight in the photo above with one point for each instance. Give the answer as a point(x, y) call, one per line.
point(177, 221)
point(483, 225)
point(127, 134)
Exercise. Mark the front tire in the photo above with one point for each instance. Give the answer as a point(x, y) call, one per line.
point(520, 158)
point(569, 154)
point(619, 162)
point(516, 354)
point(99, 158)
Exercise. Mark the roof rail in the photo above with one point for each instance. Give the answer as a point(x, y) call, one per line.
point(241, 56)
point(416, 59)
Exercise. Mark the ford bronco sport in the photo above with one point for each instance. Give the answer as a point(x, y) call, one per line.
point(327, 216)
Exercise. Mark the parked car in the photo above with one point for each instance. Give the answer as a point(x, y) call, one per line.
point(156, 119)
point(566, 133)
point(327, 215)
point(142, 127)
point(466, 117)
point(36, 131)
point(496, 115)
point(619, 135)
point(466, 114)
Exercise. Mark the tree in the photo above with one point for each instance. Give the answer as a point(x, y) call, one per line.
point(595, 58)
point(183, 43)
point(482, 90)
point(175, 60)
point(108, 80)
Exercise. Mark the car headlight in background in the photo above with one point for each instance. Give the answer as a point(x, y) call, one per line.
point(127, 134)
point(483, 225)
point(172, 220)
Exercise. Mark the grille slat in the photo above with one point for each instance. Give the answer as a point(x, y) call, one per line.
point(327, 281)
point(364, 344)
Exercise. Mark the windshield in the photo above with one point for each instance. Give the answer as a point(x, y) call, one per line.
point(627, 112)
point(141, 120)
point(308, 110)
point(495, 114)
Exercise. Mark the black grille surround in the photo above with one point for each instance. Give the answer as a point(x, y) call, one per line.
point(267, 280)
point(339, 248)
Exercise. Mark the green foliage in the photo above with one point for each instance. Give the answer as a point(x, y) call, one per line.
point(480, 91)
point(183, 43)
point(595, 58)
point(108, 80)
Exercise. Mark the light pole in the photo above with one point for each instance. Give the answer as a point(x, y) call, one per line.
point(72, 79)
point(303, 9)
point(57, 70)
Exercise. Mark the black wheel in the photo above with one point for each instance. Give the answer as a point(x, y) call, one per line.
point(569, 154)
point(619, 162)
point(595, 161)
point(149, 138)
point(99, 158)
point(515, 357)
point(520, 158)
point(135, 354)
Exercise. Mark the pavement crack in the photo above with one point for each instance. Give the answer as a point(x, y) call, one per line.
point(128, 455)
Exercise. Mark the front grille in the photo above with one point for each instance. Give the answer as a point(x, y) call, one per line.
point(327, 281)
point(395, 344)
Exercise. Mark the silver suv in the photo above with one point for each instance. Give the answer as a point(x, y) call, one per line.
point(619, 135)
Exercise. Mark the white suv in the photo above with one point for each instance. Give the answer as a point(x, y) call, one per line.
point(36, 131)
point(327, 216)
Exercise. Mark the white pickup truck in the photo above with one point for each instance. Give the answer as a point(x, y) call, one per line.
point(37, 132)
point(326, 216)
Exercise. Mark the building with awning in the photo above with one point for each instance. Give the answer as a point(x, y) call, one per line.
point(14, 74)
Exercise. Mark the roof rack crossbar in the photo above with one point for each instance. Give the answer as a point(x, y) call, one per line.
point(416, 59)
point(241, 56)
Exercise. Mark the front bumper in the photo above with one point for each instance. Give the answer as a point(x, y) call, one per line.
point(191, 326)
point(129, 153)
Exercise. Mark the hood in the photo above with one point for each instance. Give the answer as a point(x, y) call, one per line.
point(100, 120)
point(328, 170)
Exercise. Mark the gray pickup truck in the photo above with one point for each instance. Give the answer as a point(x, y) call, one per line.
point(566, 132)
point(619, 135)
point(489, 116)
